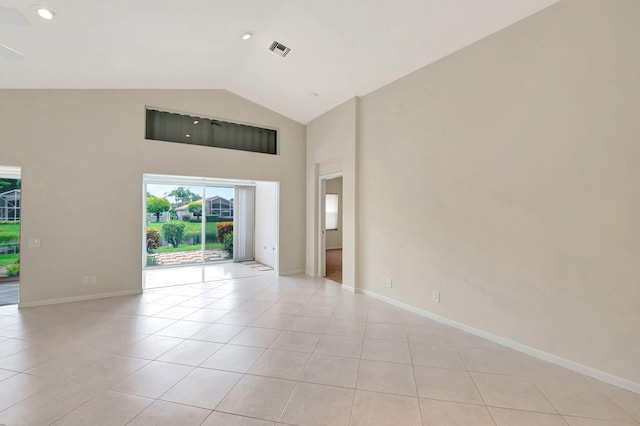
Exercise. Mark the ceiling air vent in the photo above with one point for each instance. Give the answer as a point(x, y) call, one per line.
point(279, 49)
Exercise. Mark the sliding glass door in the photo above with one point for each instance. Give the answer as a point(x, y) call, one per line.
point(188, 224)
point(173, 224)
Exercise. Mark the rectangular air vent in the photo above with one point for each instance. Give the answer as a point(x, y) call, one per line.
point(279, 49)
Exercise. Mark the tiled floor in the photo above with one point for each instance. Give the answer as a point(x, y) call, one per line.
point(170, 276)
point(271, 350)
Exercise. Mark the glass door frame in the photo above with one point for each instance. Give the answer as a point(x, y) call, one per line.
point(204, 182)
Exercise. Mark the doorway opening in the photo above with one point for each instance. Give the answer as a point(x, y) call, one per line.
point(331, 227)
point(10, 208)
point(202, 229)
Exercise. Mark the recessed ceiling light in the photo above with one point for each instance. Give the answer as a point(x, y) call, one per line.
point(247, 35)
point(45, 13)
point(196, 122)
point(187, 135)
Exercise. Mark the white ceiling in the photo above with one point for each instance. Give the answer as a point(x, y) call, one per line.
point(339, 48)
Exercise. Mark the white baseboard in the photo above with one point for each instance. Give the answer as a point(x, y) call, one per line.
point(348, 288)
point(78, 298)
point(545, 356)
point(292, 272)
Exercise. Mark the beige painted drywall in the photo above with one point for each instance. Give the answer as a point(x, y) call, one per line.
point(334, 236)
point(83, 154)
point(514, 165)
point(331, 148)
point(266, 224)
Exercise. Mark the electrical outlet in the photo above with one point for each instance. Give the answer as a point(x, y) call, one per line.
point(389, 283)
point(34, 242)
point(435, 296)
point(85, 280)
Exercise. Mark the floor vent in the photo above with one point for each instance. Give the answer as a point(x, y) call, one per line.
point(279, 49)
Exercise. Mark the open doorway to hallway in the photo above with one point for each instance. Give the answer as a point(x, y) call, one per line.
point(332, 228)
point(200, 229)
point(10, 205)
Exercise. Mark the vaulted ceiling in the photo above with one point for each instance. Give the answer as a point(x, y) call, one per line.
point(339, 48)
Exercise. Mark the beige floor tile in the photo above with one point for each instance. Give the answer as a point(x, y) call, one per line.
point(233, 358)
point(21, 386)
point(446, 385)
point(5, 374)
point(506, 417)
point(386, 377)
point(628, 401)
point(202, 388)
point(379, 409)
point(190, 352)
point(280, 364)
point(258, 306)
point(69, 363)
point(329, 370)
point(387, 316)
point(498, 360)
point(582, 399)
point(461, 339)
point(257, 337)
point(199, 302)
point(151, 325)
point(182, 329)
point(511, 392)
point(176, 312)
point(108, 408)
point(285, 308)
point(268, 320)
point(386, 350)
point(581, 421)
point(317, 405)
point(218, 333)
point(441, 356)
point(343, 327)
point(426, 335)
point(27, 359)
point(153, 380)
point(46, 406)
point(151, 347)
point(443, 413)
point(226, 304)
point(223, 419)
point(344, 346)
point(239, 318)
point(103, 375)
point(259, 397)
point(296, 341)
point(385, 331)
point(207, 315)
point(307, 324)
point(162, 413)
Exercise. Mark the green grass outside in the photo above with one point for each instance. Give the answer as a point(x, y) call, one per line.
point(10, 259)
point(9, 233)
point(185, 247)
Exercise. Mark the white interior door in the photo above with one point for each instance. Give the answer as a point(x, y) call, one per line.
point(244, 223)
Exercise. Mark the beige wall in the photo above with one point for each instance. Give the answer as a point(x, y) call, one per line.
point(515, 166)
point(334, 236)
point(83, 154)
point(331, 148)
